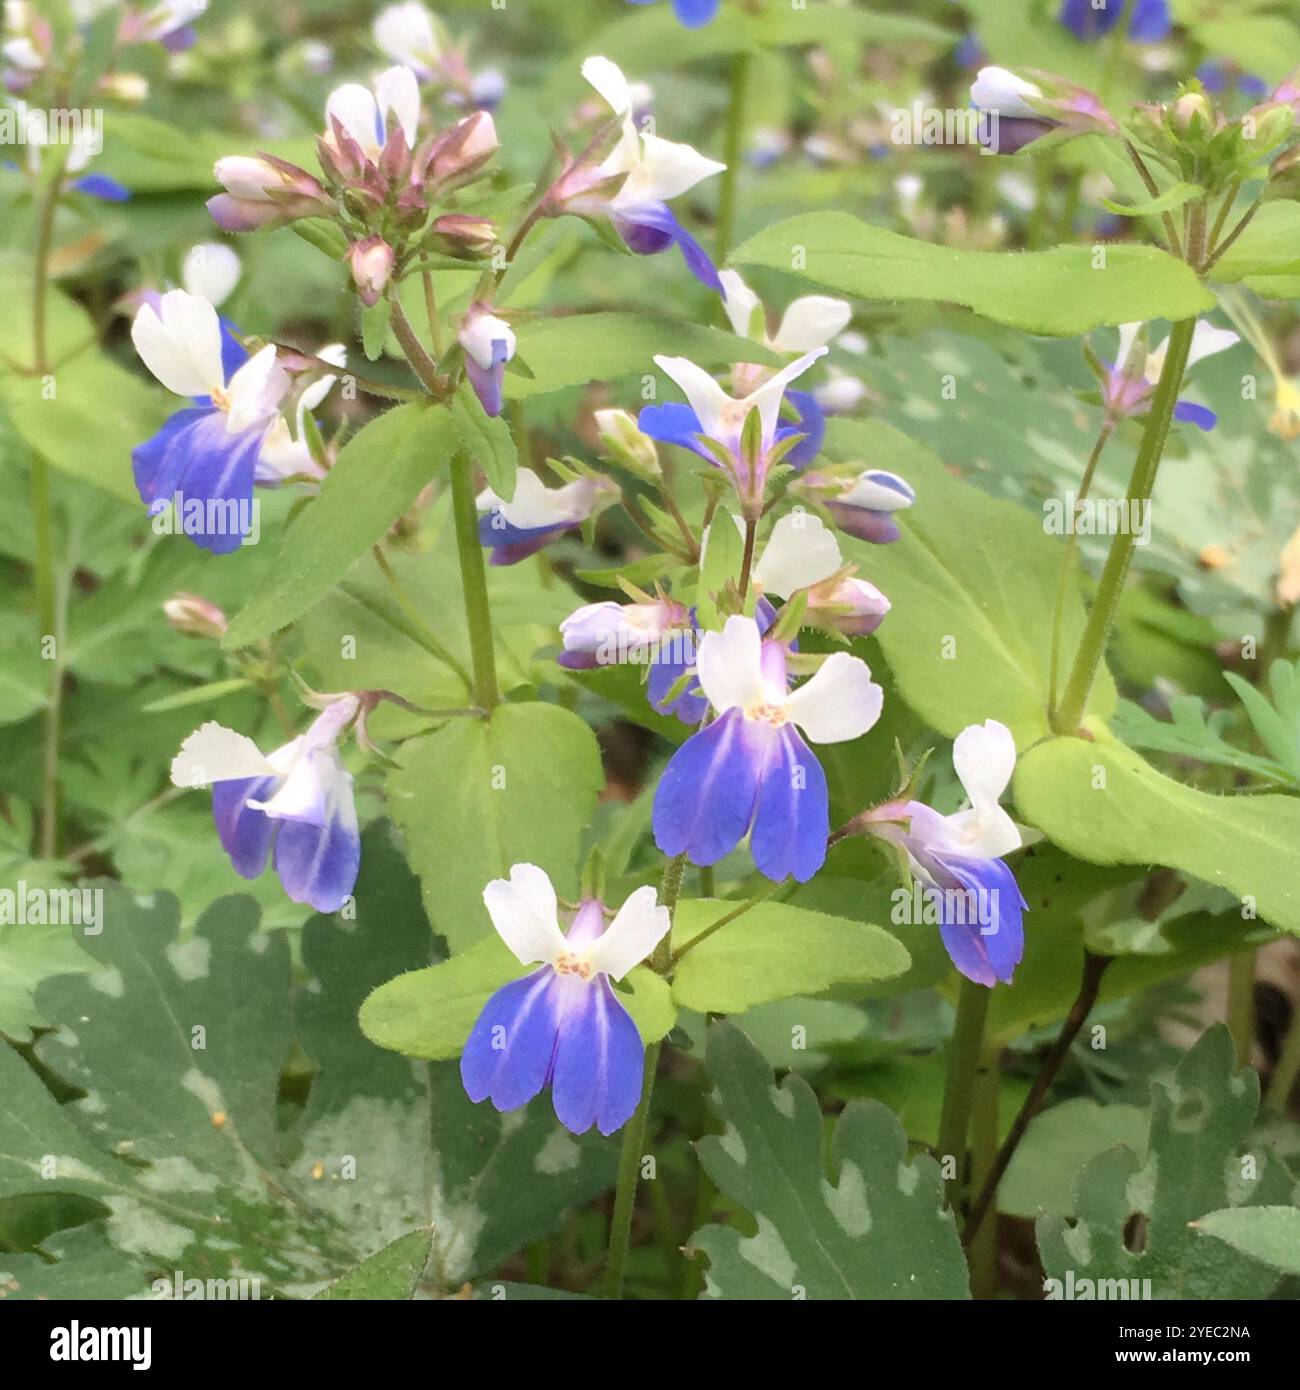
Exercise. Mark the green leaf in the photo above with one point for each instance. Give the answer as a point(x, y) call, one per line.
point(1267, 45)
point(772, 952)
point(377, 476)
point(1277, 722)
point(1270, 1235)
point(1171, 198)
point(429, 1013)
point(391, 1273)
point(1269, 246)
point(579, 348)
point(877, 1229)
point(969, 633)
point(723, 555)
point(1199, 1124)
point(94, 399)
point(479, 795)
point(1191, 733)
point(1058, 1143)
point(487, 440)
point(374, 328)
point(1100, 802)
point(1061, 292)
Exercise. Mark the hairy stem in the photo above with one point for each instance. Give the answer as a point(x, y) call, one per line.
point(1241, 1005)
point(473, 575)
point(732, 154)
point(964, 1052)
point(983, 1250)
point(1096, 632)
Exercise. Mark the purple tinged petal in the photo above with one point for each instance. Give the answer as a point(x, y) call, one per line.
point(674, 423)
point(705, 800)
point(879, 528)
point(100, 186)
point(1152, 21)
point(510, 1050)
point(651, 229)
point(812, 425)
point(792, 816)
point(599, 1062)
point(983, 952)
point(318, 864)
point(489, 381)
point(245, 832)
point(695, 13)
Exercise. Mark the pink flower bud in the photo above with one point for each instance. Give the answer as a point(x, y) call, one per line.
point(460, 152)
point(460, 234)
point(371, 263)
point(195, 616)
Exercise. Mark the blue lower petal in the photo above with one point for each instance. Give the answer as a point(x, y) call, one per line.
point(489, 382)
point(508, 1056)
point(599, 1063)
point(318, 864)
point(690, 706)
point(983, 952)
point(812, 425)
point(195, 456)
point(1151, 21)
point(1189, 413)
point(245, 832)
point(100, 186)
point(651, 229)
point(792, 816)
point(674, 424)
point(704, 802)
point(510, 544)
point(694, 13)
point(233, 352)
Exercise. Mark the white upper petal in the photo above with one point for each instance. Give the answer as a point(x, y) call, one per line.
point(396, 90)
point(1208, 340)
point(996, 89)
point(811, 322)
point(306, 793)
point(1128, 333)
point(638, 927)
point(525, 913)
point(353, 107)
point(665, 170)
point(335, 354)
point(984, 757)
point(729, 665)
point(768, 396)
point(869, 491)
point(714, 409)
point(406, 34)
point(213, 753)
point(802, 550)
point(607, 78)
point(740, 302)
point(256, 390)
point(181, 343)
point(535, 505)
point(840, 701)
point(478, 336)
point(211, 270)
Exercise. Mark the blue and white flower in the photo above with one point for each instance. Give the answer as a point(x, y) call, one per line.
point(1091, 19)
point(536, 514)
point(634, 184)
point(372, 118)
point(694, 14)
point(296, 801)
point(286, 454)
point(1130, 383)
point(713, 414)
point(750, 772)
point(958, 858)
point(205, 457)
point(864, 506)
point(562, 1025)
point(489, 343)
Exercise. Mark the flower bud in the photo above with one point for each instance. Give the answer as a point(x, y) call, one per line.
point(461, 234)
point(371, 263)
point(626, 444)
point(127, 87)
point(460, 152)
point(1191, 110)
point(846, 605)
point(195, 616)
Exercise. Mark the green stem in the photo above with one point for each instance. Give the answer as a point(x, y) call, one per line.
point(46, 583)
point(1097, 630)
point(983, 1250)
point(1287, 1070)
point(1241, 1005)
point(629, 1170)
point(1067, 561)
point(747, 561)
point(473, 575)
point(732, 154)
point(629, 1162)
point(963, 1061)
point(724, 920)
